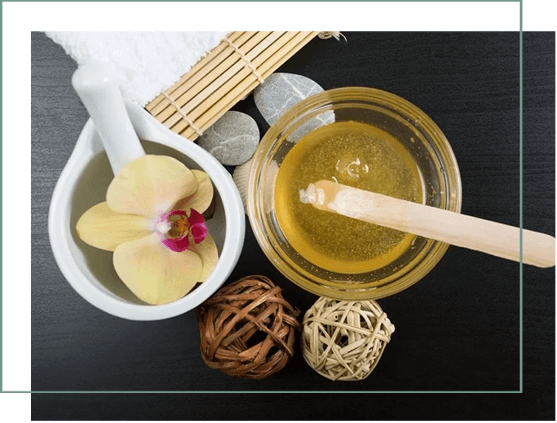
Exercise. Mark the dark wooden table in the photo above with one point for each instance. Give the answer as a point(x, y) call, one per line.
point(459, 329)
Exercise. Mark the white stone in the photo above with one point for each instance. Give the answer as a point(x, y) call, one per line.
point(241, 179)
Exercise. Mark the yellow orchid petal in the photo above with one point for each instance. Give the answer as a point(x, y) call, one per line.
point(207, 250)
point(201, 199)
point(150, 186)
point(153, 272)
point(104, 228)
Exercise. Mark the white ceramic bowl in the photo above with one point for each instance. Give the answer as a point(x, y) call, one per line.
point(83, 183)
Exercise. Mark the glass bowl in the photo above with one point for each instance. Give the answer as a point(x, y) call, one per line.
point(413, 129)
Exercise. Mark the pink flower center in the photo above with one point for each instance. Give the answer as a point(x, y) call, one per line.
point(179, 226)
point(176, 226)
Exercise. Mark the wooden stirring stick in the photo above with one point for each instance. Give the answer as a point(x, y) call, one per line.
point(453, 228)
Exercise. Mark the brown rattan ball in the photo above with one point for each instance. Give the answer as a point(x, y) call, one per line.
point(247, 329)
point(344, 340)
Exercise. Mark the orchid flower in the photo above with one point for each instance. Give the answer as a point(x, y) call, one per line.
point(152, 221)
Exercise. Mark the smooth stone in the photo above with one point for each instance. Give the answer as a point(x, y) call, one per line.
point(280, 91)
point(241, 179)
point(232, 139)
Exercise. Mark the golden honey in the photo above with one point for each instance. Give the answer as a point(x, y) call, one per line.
point(354, 154)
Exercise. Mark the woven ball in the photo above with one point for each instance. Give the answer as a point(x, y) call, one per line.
point(344, 340)
point(247, 329)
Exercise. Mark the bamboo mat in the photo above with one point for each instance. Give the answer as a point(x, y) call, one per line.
point(223, 77)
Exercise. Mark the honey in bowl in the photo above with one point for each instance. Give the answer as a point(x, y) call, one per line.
point(355, 154)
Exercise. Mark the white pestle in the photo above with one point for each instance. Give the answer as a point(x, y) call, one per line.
point(84, 269)
point(430, 222)
point(97, 88)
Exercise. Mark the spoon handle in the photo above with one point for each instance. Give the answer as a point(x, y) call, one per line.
point(97, 88)
point(442, 225)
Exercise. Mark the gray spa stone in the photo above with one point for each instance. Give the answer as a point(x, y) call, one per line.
point(232, 139)
point(280, 91)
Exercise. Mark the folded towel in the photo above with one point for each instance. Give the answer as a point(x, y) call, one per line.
point(146, 63)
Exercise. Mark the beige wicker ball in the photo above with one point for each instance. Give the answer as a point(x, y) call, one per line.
point(344, 340)
point(247, 329)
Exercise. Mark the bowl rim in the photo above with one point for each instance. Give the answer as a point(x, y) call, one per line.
point(61, 239)
point(269, 142)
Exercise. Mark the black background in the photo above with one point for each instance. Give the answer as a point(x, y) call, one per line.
point(456, 330)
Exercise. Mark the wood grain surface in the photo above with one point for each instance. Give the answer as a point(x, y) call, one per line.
point(456, 330)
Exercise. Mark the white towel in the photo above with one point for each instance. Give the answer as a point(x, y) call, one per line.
point(146, 63)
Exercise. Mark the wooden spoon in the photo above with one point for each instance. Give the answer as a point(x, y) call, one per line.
point(430, 222)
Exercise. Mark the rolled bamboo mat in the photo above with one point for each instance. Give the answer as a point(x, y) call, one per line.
point(223, 77)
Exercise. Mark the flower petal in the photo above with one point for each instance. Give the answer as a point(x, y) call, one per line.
point(150, 185)
point(202, 198)
point(209, 254)
point(154, 273)
point(104, 228)
point(197, 226)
